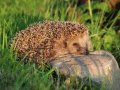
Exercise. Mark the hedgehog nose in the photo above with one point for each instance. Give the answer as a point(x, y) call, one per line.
point(83, 51)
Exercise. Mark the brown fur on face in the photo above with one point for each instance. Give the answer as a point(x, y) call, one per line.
point(79, 45)
point(51, 39)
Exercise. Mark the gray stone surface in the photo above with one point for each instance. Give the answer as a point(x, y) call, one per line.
point(99, 66)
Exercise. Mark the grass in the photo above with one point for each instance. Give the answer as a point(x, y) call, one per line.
point(16, 15)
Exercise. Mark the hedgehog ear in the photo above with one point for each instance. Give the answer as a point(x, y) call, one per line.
point(65, 44)
point(85, 32)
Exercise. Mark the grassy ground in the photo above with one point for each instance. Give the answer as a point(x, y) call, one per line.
point(16, 15)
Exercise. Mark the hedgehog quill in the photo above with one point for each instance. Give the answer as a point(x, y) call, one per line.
point(43, 41)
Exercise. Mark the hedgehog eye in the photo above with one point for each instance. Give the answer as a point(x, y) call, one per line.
point(75, 44)
point(65, 44)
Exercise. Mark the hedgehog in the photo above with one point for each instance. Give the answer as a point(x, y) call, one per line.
point(43, 41)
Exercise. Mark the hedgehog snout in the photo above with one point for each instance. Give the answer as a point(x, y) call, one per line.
point(80, 49)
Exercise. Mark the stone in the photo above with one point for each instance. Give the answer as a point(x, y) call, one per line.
point(100, 66)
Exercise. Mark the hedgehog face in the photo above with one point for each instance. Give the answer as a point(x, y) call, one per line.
point(79, 44)
point(74, 44)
